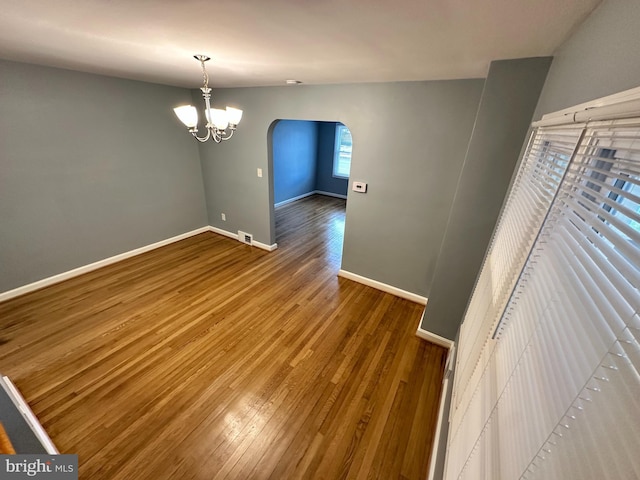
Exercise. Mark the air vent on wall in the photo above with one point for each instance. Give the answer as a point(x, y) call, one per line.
point(245, 237)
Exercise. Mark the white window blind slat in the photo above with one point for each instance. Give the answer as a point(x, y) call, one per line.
point(555, 393)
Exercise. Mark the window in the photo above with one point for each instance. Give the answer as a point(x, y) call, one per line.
point(631, 201)
point(615, 189)
point(342, 152)
point(600, 171)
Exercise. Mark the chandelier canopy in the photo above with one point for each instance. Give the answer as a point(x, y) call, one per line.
point(221, 123)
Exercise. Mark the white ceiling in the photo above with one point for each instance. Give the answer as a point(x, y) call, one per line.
point(265, 42)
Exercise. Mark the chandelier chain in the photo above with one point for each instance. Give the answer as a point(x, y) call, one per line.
point(205, 76)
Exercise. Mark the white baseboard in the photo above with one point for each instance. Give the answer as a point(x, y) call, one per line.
point(383, 286)
point(330, 194)
point(438, 443)
point(263, 246)
point(305, 195)
point(435, 448)
point(294, 199)
point(433, 338)
point(45, 282)
point(223, 232)
point(28, 415)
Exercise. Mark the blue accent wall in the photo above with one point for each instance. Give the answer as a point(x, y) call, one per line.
point(325, 181)
point(295, 146)
point(303, 159)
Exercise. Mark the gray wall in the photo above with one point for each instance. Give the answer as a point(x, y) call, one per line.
point(295, 151)
point(601, 58)
point(90, 167)
point(325, 181)
point(509, 98)
point(393, 232)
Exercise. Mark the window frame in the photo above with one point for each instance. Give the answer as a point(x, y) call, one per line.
point(335, 169)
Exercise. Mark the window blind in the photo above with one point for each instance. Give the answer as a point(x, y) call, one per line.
point(592, 248)
point(547, 380)
point(535, 185)
point(528, 201)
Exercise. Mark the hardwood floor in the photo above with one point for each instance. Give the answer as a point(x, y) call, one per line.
point(210, 359)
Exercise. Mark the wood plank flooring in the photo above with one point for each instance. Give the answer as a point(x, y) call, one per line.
point(210, 359)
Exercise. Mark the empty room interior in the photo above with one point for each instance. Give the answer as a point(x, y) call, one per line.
point(320, 240)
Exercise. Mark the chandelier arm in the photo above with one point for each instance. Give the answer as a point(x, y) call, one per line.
point(201, 139)
point(229, 135)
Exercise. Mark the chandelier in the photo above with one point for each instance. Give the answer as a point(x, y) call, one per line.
point(220, 123)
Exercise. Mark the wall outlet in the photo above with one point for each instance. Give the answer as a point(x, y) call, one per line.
point(224, 217)
point(260, 172)
point(245, 237)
